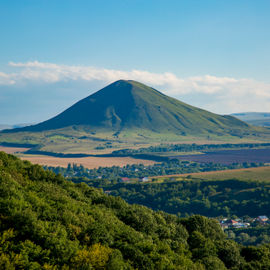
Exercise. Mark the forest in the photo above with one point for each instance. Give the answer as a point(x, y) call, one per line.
point(173, 166)
point(47, 222)
point(256, 235)
point(211, 198)
point(191, 147)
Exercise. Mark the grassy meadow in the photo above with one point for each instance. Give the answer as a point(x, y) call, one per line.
point(254, 174)
point(82, 140)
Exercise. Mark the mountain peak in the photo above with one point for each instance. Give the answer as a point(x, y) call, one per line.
point(128, 105)
point(128, 84)
point(122, 82)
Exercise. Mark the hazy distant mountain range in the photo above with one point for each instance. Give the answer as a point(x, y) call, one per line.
point(3, 126)
point(254, 118)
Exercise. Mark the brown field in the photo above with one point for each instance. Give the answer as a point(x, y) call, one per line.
point(12, 150)
point(87, 162)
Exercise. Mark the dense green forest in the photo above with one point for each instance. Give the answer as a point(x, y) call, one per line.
point(256, 235)
point(210, 198)
point(173, 166)
point(47, 222)
point(190, 148)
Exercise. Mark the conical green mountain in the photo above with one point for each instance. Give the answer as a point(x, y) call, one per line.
point(125, 105)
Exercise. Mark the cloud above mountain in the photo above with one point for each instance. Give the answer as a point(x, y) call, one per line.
point(218, 94)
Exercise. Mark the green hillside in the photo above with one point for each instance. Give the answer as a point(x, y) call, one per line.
point(47, 222)
point(128, 111)
point(126, 105)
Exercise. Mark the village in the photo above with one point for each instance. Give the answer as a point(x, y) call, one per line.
point(244, 223)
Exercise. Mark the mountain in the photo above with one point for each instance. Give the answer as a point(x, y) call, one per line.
point(128, 105)
point(48, 222)
point(254, 118)
point(127, 114)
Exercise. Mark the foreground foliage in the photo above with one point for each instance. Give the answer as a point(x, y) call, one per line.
point(47, 222)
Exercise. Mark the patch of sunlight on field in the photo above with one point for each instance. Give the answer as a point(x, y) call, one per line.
point(255, 174)
point(258, 174)
point(87, 162)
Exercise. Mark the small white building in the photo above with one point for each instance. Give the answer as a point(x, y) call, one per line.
point(144, 179)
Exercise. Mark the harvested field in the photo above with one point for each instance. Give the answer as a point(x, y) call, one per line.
point(12, 150)
point(87, 162)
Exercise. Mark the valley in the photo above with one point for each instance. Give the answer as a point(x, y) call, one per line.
point(134, 135)
point(132, 142)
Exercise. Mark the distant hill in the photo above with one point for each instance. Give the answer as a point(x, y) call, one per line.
point(254, 118)
point(4, 126)
point(129, 112)
point(127, 105)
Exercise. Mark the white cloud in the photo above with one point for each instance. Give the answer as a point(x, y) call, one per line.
point(219, 94)
point(6, 79)
point(49, 72)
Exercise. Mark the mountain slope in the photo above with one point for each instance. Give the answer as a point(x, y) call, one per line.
point(128, 114)
point(127, 105)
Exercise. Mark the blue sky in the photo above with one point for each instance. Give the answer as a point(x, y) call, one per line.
point(211, 54)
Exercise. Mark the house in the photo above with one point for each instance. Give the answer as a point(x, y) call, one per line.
point(230, 223)
point(223, 224)
point(144, 179)
point(262, 219)
point(124, 180)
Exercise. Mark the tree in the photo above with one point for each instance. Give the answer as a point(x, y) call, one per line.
point(95, 257)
